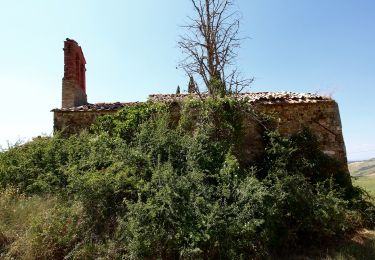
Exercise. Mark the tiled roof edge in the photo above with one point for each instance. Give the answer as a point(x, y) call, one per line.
point(252, 97)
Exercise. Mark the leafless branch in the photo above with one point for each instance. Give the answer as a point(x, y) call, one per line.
point(211, 45)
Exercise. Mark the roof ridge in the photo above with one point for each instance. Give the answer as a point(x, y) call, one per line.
point(252, 97)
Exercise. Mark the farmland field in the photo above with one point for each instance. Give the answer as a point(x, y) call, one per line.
point(367, 183)
point(363, 174)
point(362, 168)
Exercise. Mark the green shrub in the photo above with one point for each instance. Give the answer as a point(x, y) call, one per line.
point(125, 123)
point(150, 182)
point(190, 216)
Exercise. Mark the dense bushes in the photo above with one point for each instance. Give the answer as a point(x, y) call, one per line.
point(148, 183)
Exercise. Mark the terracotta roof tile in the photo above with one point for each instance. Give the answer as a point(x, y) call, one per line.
point(252, 97)
point(97, 107)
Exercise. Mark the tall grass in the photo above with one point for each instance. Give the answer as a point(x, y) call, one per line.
point(17, 214)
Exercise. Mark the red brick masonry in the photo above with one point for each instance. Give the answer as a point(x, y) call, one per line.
point(74, 81)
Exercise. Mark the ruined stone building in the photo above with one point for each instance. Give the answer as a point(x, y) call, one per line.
point(295, 111)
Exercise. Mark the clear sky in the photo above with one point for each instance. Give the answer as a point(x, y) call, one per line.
point(324, 46)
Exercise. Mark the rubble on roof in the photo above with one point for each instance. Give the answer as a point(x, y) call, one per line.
point(97, 107)
point(252, 97)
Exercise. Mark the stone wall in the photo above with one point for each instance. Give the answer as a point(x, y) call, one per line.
point(72, 122)
point(322, 117)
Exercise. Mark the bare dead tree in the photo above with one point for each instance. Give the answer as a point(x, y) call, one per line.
point(211, 44)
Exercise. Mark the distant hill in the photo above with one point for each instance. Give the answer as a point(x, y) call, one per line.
point(362, 168)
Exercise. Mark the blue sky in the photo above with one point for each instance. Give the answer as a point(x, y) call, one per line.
point(324, 46)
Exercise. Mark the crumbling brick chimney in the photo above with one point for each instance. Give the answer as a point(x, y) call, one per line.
point(74, 81)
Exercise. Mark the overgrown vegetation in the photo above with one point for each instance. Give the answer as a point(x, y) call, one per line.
point(149, 182)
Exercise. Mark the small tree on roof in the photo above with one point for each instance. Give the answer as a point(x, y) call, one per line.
point(191, 86)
